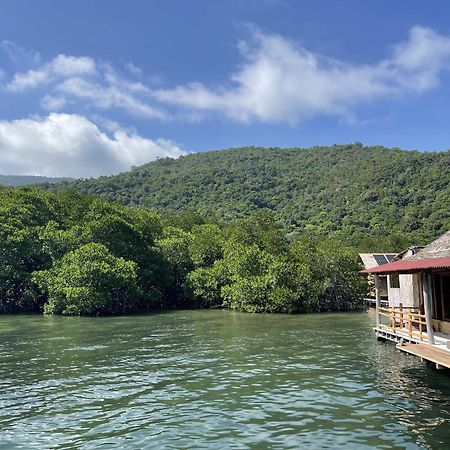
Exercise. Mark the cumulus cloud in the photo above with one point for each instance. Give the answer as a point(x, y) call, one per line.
point(71, 145)
point(421, 59)
point(61, 66)
point(114, 95)
point(280, 81)
point(71, 79)
point(53, 103)
point(277, 81)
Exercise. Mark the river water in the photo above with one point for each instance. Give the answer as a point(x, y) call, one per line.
point(214, 379)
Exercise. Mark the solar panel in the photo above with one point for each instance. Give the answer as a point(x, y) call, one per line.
point(380, 259)
point(390, 258)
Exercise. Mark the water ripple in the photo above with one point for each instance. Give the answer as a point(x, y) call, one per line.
point(202, 379)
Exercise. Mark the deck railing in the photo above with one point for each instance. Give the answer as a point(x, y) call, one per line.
point(406, 320)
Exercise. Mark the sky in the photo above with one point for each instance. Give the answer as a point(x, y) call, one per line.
point(91, 88)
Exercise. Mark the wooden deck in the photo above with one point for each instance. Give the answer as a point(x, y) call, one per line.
point(403, 335)
point(438, 356)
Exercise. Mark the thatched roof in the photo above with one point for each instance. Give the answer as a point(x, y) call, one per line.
point(440, 248)
point(410, 251)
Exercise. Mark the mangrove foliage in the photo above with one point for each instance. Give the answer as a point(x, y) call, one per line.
point(69, 253)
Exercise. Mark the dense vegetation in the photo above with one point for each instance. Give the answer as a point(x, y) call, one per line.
point(20, 180)
point(374, 198)
point(68, 253)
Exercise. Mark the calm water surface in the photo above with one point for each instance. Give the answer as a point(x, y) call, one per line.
point(214, 379)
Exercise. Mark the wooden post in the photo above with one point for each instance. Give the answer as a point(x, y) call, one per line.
point(377, 299)
point(410, 324)
point(401, 315)
point(420, 328)
point(426, 286)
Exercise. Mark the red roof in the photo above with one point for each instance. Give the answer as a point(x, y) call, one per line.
point(408, 266)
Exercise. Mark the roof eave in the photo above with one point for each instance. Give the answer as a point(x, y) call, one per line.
point(411, 266)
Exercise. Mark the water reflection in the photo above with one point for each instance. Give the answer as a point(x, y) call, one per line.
point(415, 391)
point(201, 379)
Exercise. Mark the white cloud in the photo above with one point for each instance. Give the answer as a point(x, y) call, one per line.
point(71, 145)
point(82, 79)
point(69, 66)
point(61, 66)
point(19, 55)
point(53, 103)
point(114, 95)
point(133, 69)
point(422, 58)
point(30, 79)
point(279, 81)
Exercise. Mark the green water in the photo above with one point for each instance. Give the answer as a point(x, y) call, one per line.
point(214, 379)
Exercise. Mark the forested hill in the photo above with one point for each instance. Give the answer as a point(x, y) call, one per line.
point(360, 194)
point(20, 180)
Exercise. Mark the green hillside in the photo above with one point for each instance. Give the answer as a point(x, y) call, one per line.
point(372, 197)
point(21, 180)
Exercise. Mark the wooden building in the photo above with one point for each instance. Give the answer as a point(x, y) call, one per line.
point(421, 323)
point(404, 288)
point(369, 261)
point(394, 288)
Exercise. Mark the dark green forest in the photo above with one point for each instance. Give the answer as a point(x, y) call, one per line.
point(252, 229)
point(68, 253)
point(372, 198)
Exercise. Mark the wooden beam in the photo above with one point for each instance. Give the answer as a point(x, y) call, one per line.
point(377, 299)
point(426, 285)
point(428, 353)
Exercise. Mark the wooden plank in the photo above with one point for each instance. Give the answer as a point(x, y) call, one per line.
point(428, 352)
point(410, 330)
point(377, 299)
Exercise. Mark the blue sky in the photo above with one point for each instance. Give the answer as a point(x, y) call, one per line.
point(93, 87)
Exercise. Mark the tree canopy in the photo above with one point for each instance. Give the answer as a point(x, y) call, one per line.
point(68, 253)
point(375, 198)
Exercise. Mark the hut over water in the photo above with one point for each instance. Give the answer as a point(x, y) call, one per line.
point(419, 320)
point(369, 261)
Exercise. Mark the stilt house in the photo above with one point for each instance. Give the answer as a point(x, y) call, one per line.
point(420, 317)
